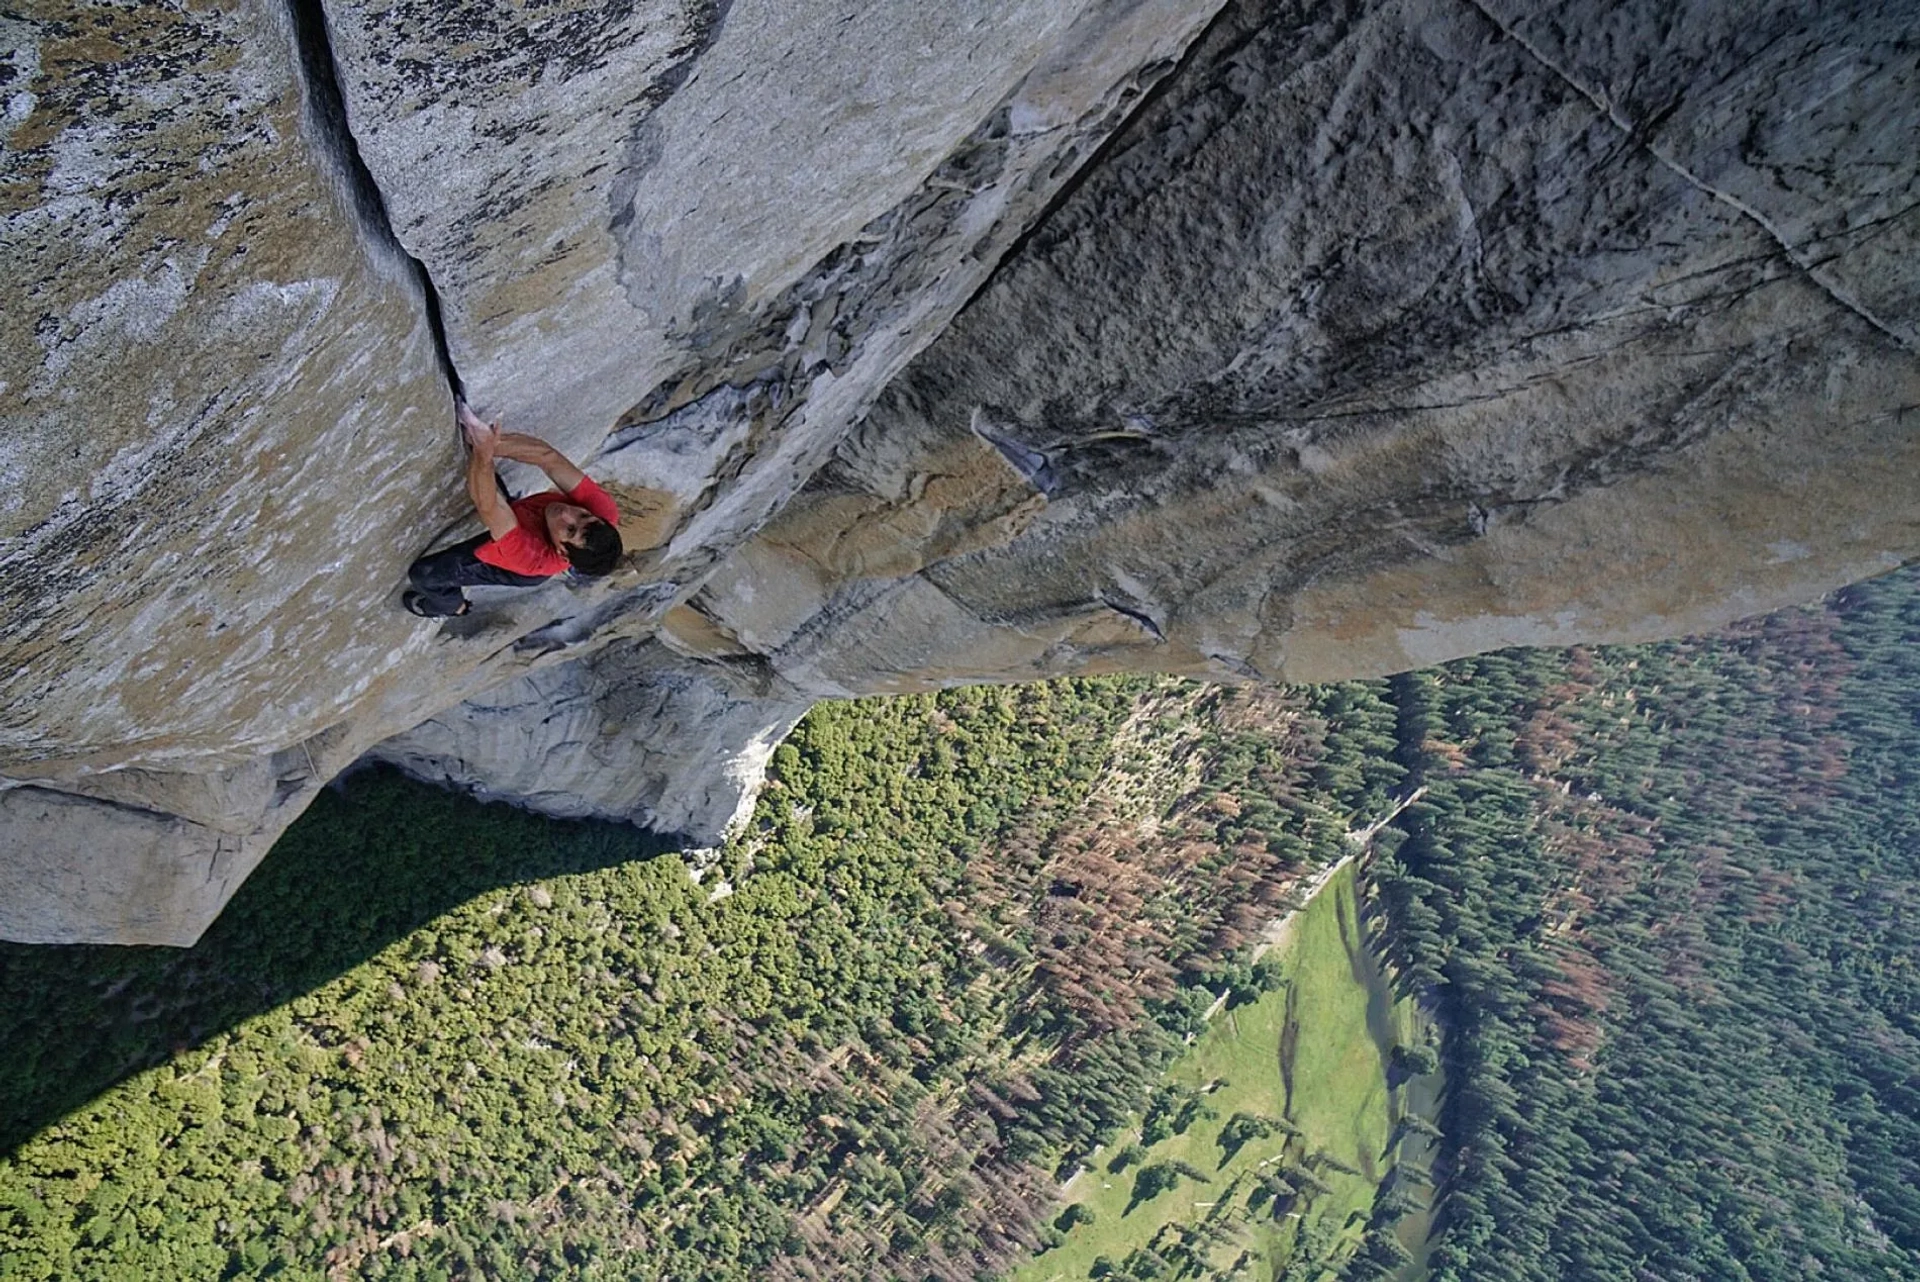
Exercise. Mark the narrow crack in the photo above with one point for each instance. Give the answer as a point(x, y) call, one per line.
point(332, 134)
point(1138, 615)
point(1640, 137)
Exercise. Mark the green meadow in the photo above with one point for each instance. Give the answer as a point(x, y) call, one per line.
point(1311, 1055)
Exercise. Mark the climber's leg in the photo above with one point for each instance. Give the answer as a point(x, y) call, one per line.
point(437, 579)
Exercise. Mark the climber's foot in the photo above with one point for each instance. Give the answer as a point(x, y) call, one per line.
point(417, 604)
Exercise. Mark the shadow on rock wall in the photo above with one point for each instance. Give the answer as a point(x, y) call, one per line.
point(367, 864)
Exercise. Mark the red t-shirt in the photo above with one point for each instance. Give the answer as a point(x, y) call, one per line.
point(526, 549)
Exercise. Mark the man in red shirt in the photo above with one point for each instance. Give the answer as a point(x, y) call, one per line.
point(528, 540)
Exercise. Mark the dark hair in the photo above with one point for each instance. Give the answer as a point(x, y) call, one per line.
point(598, 550)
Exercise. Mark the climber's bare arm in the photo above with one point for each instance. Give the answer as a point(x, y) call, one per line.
point(484, 438)
point(522, 448)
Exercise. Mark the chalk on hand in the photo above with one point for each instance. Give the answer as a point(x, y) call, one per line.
point(464, 414)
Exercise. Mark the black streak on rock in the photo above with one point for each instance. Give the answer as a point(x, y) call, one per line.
point(643, 144)
point(1138, 615)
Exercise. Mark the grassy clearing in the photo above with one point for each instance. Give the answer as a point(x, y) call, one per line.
point(1314, 1052)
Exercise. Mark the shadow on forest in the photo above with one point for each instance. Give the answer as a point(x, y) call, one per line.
point(370, 862)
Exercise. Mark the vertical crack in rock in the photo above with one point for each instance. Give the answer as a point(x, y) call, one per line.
point(326, 110)
point(1641, 137)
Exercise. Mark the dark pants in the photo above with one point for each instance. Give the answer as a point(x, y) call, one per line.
point(439, 578)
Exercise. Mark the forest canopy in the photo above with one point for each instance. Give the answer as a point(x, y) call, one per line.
point(1661, 897)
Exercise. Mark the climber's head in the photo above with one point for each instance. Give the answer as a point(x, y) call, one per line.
point(590, 545)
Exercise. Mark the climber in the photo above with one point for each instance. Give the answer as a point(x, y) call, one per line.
point(528, 540)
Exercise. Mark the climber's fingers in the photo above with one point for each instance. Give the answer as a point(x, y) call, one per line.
point(463, 413)
point(482, 436)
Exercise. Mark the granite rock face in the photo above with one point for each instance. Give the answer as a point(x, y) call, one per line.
point(260, 248)
point(922, 346)
point(634, 730)
point(1451, 349)
point(217, 385)
point(1387, 334)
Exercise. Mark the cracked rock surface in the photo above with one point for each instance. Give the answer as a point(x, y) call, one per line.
point(921, 346)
